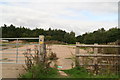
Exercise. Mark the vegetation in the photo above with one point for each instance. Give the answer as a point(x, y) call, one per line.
point(80, 72)
point(77, 72)
point(39, 71)
point(39, 66)
point(56, 35)
point(98, 36)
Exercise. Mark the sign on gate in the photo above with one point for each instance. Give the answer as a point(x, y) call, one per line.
point(41, 39)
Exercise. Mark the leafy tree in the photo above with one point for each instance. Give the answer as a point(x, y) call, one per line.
point(98, 36)
point(55, 34)
point(70, 37)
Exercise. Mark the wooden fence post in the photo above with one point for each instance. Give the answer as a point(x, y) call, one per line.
point(95, 49)
point(77, 58)
point(118, 59)
point(95, 60)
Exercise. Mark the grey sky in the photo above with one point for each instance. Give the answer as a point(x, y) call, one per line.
point(69, 15)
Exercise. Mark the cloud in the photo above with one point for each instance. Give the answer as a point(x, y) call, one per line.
point(76, 16)
point(50, 1)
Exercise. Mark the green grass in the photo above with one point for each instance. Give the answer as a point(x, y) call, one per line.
point(50, 74)
point(105, 76)
point(40, 72)
point(79, 72)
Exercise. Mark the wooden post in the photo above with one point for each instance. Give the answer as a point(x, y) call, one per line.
point(41, 47)
point(77, 58)
point(17, 42)
point(95, 60)
point(118, 59)
point(44, 53)
point(95, 52)
point(95, 49)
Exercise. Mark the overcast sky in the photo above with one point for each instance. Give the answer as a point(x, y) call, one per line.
point(69, 15)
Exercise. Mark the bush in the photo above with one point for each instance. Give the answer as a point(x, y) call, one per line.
point(39, 71)
point(37, 68)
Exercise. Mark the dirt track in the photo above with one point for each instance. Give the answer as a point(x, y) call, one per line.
point(63, 53)
point(13, 70)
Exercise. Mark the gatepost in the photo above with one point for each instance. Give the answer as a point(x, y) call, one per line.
point(41, 47)
point(77, 64)
point(118, 59)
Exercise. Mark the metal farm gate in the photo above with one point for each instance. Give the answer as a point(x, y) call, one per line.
point(12, 49)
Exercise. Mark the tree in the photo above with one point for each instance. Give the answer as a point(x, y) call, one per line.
point(70, 37)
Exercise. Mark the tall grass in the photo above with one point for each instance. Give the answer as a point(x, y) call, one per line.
point(37, 68)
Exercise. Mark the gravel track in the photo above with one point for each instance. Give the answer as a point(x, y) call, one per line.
point(13, 70)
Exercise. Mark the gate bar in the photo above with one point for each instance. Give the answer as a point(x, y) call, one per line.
point(18, 38)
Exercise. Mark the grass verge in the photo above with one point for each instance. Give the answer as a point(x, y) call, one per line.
point(79, 72)
point(40, 72)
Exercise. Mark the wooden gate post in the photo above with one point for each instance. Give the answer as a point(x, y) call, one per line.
point(95, 60)
point(118, 59)
point(77, 57)
point(41, 47)
point(95, 52)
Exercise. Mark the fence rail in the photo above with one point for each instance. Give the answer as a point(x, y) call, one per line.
point(17, 38)
point(98, 46)
point(95, 46)
point(97, 55)
point(98, 59)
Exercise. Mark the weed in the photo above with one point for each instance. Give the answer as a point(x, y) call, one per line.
point(37, 68)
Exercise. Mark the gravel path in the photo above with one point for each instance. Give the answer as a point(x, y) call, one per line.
point(13, 70)
point(64, 53)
